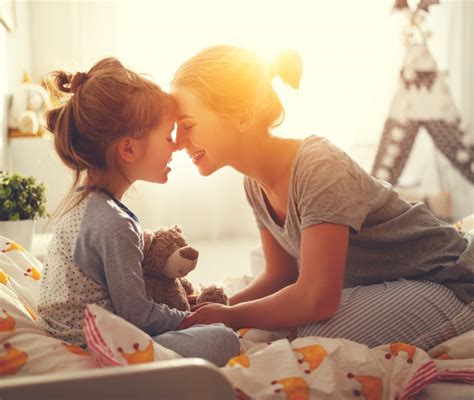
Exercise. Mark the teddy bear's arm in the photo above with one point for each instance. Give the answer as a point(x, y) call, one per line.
point(188, 286)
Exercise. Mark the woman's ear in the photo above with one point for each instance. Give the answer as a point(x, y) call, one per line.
point(245, 121)
point(128, 149)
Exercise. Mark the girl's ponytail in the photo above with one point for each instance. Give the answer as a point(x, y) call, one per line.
point(93, 112)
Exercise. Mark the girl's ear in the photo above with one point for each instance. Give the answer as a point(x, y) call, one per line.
point(128, 149)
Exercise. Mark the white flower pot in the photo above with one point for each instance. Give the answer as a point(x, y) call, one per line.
point(19, 231)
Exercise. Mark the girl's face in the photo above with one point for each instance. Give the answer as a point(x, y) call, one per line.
point(206, 136)
point(155, 153)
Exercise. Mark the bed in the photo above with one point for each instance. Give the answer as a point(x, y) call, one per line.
point(123, 362)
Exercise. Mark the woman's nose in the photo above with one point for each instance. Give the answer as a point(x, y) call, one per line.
point(181, 140)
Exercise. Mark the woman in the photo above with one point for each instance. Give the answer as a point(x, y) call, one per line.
point(345, 256)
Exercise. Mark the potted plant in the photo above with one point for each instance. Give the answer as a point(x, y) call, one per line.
point(22, 201)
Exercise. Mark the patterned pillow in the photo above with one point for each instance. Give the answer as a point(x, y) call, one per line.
point(114, 341)
point(25, 348)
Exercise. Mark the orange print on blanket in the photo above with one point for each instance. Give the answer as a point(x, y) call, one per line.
point(7, 323)
point(371, 386)
point(240, 360)
point(313, 355)
point(242, 332)
point(3, 277)
point(444, 356)
point(139, 356)
point(75, 349)
point(12, 361)
point(10, 246)
point(33, 273)
point(295, 388)
point(396, 348)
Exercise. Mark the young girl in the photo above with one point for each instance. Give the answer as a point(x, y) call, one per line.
point(114, 129)
point(345, 255)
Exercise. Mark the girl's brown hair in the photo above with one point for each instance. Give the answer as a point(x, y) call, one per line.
point(96, 110)
point(233, 80)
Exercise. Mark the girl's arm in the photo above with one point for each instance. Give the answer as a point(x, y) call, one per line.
point(315, 295)
point(280, 271)
point(111, 256)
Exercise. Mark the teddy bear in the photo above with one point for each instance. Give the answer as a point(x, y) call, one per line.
point(28, 104)
point(168, 258)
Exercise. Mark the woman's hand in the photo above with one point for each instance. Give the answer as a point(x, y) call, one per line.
point(208, 313)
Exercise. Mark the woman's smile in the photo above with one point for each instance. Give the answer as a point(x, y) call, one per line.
point(196, 156)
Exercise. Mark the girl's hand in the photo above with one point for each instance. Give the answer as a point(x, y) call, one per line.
point(208, 313)
point(192, 300)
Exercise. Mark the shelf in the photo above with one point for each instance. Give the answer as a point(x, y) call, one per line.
point(16, 134)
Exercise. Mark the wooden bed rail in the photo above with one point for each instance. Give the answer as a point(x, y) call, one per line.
point(183, 379)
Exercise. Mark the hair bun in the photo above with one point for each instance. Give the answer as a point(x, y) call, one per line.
point(78, 79)
point(288, 65)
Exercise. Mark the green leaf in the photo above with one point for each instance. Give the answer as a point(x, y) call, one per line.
point(21, 197)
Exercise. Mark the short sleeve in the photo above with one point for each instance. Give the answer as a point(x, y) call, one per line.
point(330, 187)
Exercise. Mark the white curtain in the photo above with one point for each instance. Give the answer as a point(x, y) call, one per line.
point(460, 55)
point(351, 51)
point(451, 25)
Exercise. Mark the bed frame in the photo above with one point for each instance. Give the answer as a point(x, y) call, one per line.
point(183, 379)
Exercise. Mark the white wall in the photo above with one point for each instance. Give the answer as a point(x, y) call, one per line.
point(3, 97)
point(15, 57)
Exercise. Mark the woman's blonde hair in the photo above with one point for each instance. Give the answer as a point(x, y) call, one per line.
point(232, 80)
point(96, 109)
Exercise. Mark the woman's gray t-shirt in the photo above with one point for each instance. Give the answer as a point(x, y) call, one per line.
point(389, 237)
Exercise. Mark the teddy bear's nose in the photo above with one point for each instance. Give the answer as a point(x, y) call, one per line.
point(189, 253)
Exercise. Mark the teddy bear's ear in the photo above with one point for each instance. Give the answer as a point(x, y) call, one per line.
point(177, 228)
point(147, 241)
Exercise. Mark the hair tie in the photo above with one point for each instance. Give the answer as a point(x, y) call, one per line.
point(77, 81)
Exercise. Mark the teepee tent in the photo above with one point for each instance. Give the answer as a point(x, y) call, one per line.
point(422, 100)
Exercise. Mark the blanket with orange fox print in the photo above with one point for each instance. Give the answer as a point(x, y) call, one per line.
point(325, 368)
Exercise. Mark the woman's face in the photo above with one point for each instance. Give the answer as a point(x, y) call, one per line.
point(206, 136)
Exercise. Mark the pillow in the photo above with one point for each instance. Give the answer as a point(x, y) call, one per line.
point(26, 348)
point(466, 224)
point(20, 271)
point(458, 347)
point(113, 341)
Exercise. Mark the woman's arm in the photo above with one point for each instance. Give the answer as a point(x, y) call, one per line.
point(315, 295)
point(280, 271)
